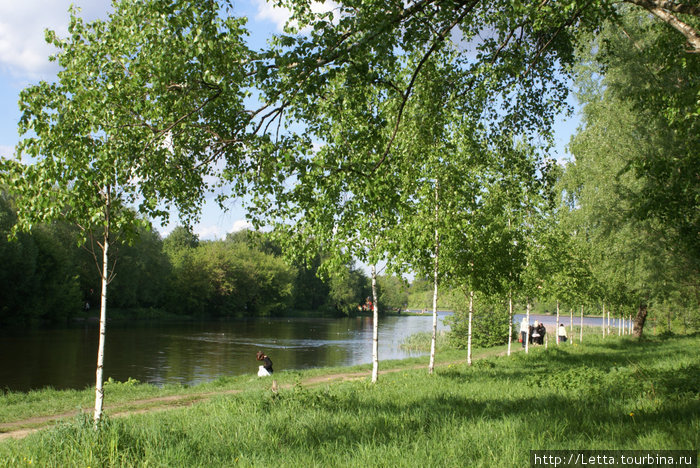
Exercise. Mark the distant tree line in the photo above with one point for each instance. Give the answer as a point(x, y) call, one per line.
point(46, 277)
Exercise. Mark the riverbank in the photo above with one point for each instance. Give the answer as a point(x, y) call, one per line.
point(615, 393)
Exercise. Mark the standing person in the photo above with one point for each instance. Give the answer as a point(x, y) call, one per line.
point(267, 363)
point(562, 332)
point(541, 331)
point(535, 333)
point(524, 329)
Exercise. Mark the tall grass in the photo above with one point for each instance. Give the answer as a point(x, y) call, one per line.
point(607, 394)
point(421, 341)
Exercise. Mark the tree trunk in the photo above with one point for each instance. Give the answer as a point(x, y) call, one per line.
point(469, 334)
point(105, 278)
point(629, 325)
point(433, 341)
point(375, 331)
point(603, 327)
point(571, 325)
point(621, 325)
point(580, 332)
point(556, 327)
point(640, 319)
point(608, 331)
point(99, 376)
point(510, 320)
point(527, 314)
point(661, 10)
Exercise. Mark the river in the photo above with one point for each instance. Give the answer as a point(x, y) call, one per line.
point(197, 352)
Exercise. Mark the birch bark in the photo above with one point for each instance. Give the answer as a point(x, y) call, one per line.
point(556, 328)
point(571, 325)
point(510, 321)
point(433, 341)
point(375, 330)
point(469, 334)
point(99, 373)
point(603, 327)
point(527, 315)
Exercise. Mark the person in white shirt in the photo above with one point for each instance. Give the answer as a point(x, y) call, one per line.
point(524, 329)
point(562, 333)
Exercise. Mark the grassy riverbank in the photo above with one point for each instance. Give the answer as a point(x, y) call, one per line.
point(605, 394)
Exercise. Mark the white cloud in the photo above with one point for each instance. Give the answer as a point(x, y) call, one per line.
point(209, 232)
point(240, 224)
point(279, 15)
point(267, 11)
point(23, 50)
point(7, 152)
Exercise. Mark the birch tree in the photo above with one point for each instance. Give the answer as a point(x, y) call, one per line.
point(143, 104)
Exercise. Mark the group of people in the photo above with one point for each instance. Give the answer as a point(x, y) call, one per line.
point(535, 334)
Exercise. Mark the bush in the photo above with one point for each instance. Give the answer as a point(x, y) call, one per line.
point(489, 323)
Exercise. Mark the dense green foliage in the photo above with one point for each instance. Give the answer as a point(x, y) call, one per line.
point(613, 394)
point(38, 277)
point(416, 135)
point(631, 197)
point(489, 322)
point(47, 278)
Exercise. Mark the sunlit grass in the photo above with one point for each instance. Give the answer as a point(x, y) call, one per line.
point(605, 394)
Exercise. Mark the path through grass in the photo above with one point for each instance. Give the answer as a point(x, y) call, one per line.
point(607, 394)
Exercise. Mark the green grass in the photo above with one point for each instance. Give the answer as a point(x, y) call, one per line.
point(422, 341)
point(605, 394)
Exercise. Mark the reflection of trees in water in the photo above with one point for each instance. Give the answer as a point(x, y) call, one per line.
point(197, 352)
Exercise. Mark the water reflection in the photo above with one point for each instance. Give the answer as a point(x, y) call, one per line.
point(197, 352)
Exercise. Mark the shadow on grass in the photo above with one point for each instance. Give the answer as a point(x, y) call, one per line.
point(590, 393)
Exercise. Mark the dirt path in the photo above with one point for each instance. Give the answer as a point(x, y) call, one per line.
point(24, 427)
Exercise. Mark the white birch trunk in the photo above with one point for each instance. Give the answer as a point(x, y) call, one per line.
point(620, 325)
point(527, 335)
point(469, 334)
point(433, 341)
point(556, 327)
point(99, 376)
point(629, 326)
point(580, 336)
point(375, 331)
point(571, 326)
point(510, 321)
point(604, 321)
point(608, 332)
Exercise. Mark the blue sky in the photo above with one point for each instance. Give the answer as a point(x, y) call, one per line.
point(24, 61)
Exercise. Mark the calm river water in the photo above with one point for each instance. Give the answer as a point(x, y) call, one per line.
point(197, 352)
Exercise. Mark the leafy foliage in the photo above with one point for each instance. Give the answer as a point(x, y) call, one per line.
point(489, 322)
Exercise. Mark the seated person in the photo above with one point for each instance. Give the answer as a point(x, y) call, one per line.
point(267, 363)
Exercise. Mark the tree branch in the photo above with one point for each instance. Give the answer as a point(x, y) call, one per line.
point(660, 9)
point(414, 76)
